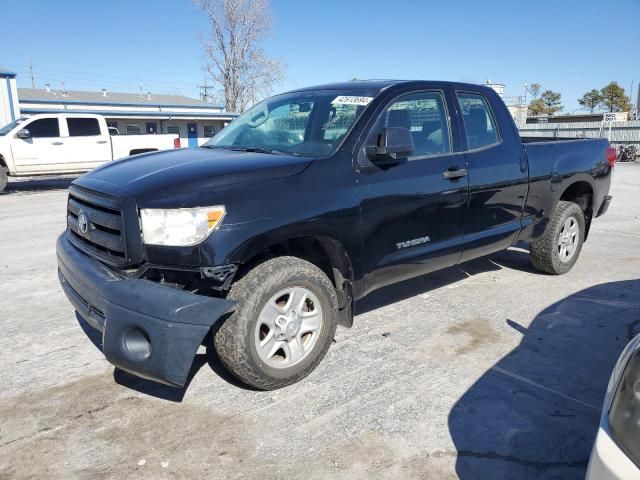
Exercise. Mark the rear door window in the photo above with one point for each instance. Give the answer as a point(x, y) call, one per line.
point(83, 127)
point(44, 128)
point(479, 123)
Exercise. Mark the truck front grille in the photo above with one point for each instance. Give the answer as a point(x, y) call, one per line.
point(96, 225)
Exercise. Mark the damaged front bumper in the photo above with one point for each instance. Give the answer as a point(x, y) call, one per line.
point(148, 329)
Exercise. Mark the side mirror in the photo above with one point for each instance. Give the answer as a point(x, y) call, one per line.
point(394, 145)
point(24, 133)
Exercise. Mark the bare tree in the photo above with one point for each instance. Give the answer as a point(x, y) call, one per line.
point(234, 57)
point(534, 89)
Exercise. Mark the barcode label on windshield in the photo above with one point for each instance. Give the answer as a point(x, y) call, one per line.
point(350, 100)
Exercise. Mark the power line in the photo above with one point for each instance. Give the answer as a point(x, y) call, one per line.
point(78, 74)
point(96, 85)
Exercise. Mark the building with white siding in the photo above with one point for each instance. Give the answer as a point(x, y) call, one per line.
point(130, 113)
point(194, 120)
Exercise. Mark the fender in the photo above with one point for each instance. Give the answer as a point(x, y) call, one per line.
point(6, 158)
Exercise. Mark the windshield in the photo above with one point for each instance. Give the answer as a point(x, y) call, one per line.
point(10, 126)
point(310, 124)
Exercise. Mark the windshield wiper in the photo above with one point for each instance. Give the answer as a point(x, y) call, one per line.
point(269, 151)
point(256, 150)
point(214, 147)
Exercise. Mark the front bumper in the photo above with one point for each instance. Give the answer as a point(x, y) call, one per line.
point(148, 329)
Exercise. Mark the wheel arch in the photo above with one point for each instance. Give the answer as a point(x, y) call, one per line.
point(323, 251)
point(581, 192)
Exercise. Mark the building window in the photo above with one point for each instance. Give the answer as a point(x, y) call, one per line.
point(134, 129)
point(209, 131)
point(175, 129)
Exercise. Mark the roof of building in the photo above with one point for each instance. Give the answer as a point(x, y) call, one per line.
point(111, 98)
point(6, 73)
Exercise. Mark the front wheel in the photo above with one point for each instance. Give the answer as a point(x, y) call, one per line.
point(283, 325)
point(558, 250)
point(3, 178)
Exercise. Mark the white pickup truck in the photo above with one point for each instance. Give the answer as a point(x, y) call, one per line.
point(67, 143)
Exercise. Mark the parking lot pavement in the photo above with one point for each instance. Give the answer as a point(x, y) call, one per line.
point(489, 370)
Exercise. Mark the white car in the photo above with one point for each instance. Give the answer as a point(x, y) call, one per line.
point(616, 452)
point(68, 143)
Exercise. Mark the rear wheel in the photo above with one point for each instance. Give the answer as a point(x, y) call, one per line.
point(560, 247)
point(283, 325)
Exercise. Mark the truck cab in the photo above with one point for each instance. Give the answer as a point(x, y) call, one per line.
point(67, 143)
point(55, 143)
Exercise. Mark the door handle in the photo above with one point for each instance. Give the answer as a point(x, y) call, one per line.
point(454, 173)
point(523, 164)
point(101, 141)
point(56, 143)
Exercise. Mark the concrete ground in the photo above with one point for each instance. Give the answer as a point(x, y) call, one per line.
point(490, 370)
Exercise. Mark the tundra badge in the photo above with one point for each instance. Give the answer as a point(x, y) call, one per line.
point(413, 243)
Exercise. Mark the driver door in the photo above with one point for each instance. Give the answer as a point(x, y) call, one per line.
point(43, 151)
point(412, 214)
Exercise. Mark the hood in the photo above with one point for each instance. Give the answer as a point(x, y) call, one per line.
point(194, 169)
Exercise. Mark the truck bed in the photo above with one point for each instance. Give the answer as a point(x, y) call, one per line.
point(554, 163)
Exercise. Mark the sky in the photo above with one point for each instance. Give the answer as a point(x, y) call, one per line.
point(564, 45)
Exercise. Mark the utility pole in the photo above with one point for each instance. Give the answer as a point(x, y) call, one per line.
point(638, 103)
point(33, 83)
point(204, 89)
point(204, 92)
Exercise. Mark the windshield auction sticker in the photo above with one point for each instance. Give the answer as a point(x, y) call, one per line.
point(350, 100)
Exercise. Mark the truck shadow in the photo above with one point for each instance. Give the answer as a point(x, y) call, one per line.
point(37, 184)
point(515, 258)
point(535, 413)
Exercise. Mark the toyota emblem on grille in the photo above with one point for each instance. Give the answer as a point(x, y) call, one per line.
point(83, 223)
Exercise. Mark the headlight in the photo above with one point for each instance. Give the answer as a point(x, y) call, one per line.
point(180, 226)
point(624, 415)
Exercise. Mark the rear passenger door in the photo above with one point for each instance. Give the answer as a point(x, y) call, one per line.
point(412, 213)
point(86, 145)
point(498, 175)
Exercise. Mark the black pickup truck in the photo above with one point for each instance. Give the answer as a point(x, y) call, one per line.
point(267, 235)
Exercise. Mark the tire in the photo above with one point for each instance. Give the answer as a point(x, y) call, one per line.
point(260, 298)
point(3, 178)
point(547, 254)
